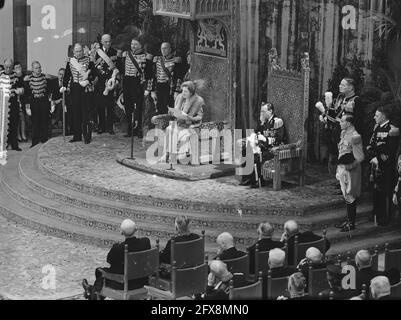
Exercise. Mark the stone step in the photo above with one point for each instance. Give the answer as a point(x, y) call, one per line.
point(91, 220)
point(213, 208)
point(32, 177)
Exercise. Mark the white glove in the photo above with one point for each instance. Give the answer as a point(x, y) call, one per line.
point(63, 89)
point(374, 161)
point(322, 119)
point(261, 137)
point(52, 108)
point(28, 111)
point(146, 93)
point(395, 199)
point(84, 83)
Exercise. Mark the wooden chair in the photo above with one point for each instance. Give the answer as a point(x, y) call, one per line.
point(276, 287)
point(317, 281)
point(239, 265)
point(288, 90)
point(301, 248)
point(250, 292)
point(396, 291)
point(392, 258)
point(137, 265)
point(184, 283)
point(183, 255)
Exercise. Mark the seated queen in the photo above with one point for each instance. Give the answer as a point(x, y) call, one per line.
point(188, 110)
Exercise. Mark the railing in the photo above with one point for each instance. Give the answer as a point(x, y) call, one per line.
point(191, 9)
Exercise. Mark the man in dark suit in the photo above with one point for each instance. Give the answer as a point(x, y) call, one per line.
point(183, 235)
point(115, 258)
point(227, 249)
point(335, 276)
point(365, 273)
point(218, 283)
point(277, 264)
point(291, 230)
point(380, 288)
point(265, 243)
point(314, 259)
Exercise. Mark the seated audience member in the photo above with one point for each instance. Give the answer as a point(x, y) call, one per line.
point(277, 264)
point(314, 259)
point(380, 288)
point(265, 243)
point(291, 229)
point(227, 249)
point(183, 235)
point(218, 282)
point(296, 287)
point(334, 278)
point(364, 273)
point(116, 260)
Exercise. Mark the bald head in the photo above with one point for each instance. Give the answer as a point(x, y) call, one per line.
point(276, 258)
point(128, 228)
point(225, 241)
point(380, 287)
point(265, 231)
point(291, 228)
point(314, 255)
point(363, 259)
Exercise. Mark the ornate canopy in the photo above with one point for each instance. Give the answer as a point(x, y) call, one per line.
point(192, 9)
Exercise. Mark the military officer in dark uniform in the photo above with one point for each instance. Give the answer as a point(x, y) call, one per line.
point(167, 79)
point(16, 90)
point(137, 71)
point(346, 103)
point(107, 64)
point(269, 133)
point(81, 71)
point(382, 156)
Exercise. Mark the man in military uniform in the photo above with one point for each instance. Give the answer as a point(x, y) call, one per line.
point(81, 71)
point(167, 79)
point(382, 156)
point(269, 133)
point(349, 169)
point(137, 71)
point(38, 91)
point(347, 103)
point(16, 90)
point(106, 63)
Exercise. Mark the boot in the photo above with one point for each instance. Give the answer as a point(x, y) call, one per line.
point(351, 217)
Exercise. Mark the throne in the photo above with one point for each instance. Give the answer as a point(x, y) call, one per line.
point(288, 90)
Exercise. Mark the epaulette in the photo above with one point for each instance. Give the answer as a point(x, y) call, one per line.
point(278, 123)
point(149, 56)
point(356, 139)
point(349, 107)
point(394, 131)
point(177, 60)
point(125, 54)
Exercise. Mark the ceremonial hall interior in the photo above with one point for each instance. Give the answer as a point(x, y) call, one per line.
point(200, 150)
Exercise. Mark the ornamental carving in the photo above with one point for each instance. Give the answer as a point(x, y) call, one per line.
point(211, 38)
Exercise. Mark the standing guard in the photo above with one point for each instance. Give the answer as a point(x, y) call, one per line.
point(38, 91)
point(137, 66)
point(81, 71)
point(16, 90)
point(349, 169)
point(382, 155)
point(347, 103)
point(106, 63)
point(167, 79)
